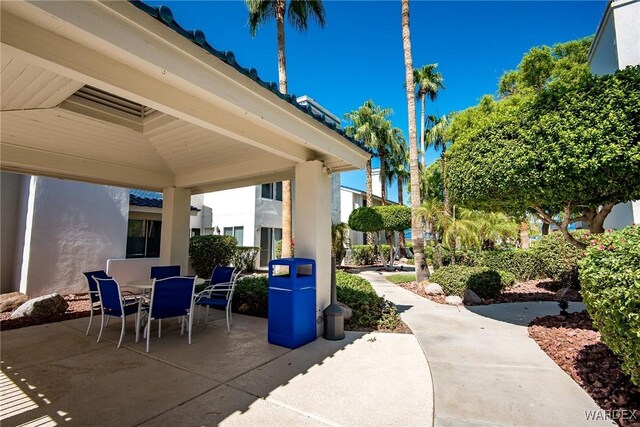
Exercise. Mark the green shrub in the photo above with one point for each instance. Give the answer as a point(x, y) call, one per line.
point(401, 278)
point(244, 258)
point(254, 292)
point(524, 264)
point(369, 310)
point(455, 279)
point(441, 257)
point(362, 255)
point(559, 258)
point(365, 219)
point(507, 279)
point(208, 251)
point(610, 278)
point(279, 250)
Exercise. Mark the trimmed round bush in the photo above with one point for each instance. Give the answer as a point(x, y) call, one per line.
point(456, 279)
point(610, 278)
point(208, 251)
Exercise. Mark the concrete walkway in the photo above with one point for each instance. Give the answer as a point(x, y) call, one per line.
point(55, 375)
point(487, 371)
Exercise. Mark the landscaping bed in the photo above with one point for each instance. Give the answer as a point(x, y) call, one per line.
point(573, 343)
point(79, 306)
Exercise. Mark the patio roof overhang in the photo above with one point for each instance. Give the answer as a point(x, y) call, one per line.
point(106, 93)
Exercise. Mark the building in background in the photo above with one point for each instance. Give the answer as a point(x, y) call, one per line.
point(617, 45)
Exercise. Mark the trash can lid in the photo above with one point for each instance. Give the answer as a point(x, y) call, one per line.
point(292, 261)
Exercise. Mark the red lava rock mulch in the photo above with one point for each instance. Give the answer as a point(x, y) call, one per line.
point(575, 346)
point(79, 306)
point(533, 290)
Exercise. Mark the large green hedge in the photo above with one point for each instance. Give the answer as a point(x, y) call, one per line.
point(369, 310)
point(456, 279)
point(523, 264)
point(559, 258)
point(366, 254)
point(244, 258)
point(210, 250)
point(610, 277)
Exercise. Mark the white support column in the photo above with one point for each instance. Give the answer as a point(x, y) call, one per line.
point(312, 229)
point(174, 242)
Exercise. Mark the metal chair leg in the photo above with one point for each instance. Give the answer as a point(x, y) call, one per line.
point(101, 326)
point(90, 319)
point(148, 332)
point(160, 328)
point(190, 326)
point(124, 320)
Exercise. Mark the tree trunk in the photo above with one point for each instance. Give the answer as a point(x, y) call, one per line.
point(453, 252)
point(422, 272)
point(445, 192)
point(287, 232)
point(369, 196)
point(401, 240)
point(423, 145)
point(545, 228)
point(383, 178)
point(596, 225)
point(525, 241)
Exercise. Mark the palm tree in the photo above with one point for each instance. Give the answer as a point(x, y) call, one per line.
point(427, 83)
point(454, 230)
point(367, 123)
point(493, 226)
point(298, 11)
point(416, 229)
point(389, 140)
point(437, 138)
point(397, 167)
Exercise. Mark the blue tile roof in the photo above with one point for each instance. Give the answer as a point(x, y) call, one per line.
point(164, 15)
point(148, 199)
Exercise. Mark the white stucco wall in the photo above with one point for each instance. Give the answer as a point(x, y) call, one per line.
point(71, 227)
point(236, 207)
point(11, 228)
point(604, 59)
point(627, 21)
point(336, 204)
point(620, 216)
point(126, 270)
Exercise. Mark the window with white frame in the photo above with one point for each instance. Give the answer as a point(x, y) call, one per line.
point(237, 232)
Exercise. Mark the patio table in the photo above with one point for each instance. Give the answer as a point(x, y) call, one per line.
point(146, 284)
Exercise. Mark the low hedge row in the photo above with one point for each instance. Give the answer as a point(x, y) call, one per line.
point(366, 254)
point(610, 278)
point(369, 310)
point(485, 282)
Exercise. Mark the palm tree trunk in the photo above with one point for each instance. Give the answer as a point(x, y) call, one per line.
point(401, 242)
point(383, 178)
point(445, 192)
point(287, 232)
point(369, 196)
point(423, 145)
point(453, 252)
point(422, 272)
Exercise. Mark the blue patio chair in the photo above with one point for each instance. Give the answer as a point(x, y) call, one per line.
point(94, 296)
point(164, 271)
point(113, 304)
point(171, 297)
point(219, 295)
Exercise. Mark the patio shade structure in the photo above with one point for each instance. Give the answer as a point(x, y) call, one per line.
point(118, 93)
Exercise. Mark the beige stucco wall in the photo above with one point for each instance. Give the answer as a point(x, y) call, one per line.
point(12, 205)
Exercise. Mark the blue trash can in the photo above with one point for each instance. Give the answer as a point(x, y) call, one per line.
point(292, 302)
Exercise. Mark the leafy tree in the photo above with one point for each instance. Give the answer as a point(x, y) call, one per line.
point(298, 12)
point(567, 151)
point(422, 271)
point(397, 167)
point(437, 138)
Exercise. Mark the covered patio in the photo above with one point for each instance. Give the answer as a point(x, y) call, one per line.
point(120, 94)
point(227, 379)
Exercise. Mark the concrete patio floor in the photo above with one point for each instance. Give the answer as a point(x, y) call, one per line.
point(55, 375)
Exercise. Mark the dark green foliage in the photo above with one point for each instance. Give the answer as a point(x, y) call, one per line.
point(244, 258)
point(394, 217)
point(367, 254)
point(369, 310)
point(362, 255)
point(441, 256)
point(365, 219)
point(455, 279)
point(252, 293)
point(610, 277)
point(558, 259)
point(507, 279)
point(279, 250)
point(208, 251)
point(523, 264)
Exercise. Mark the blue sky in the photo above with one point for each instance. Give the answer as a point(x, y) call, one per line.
point(358, 55)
